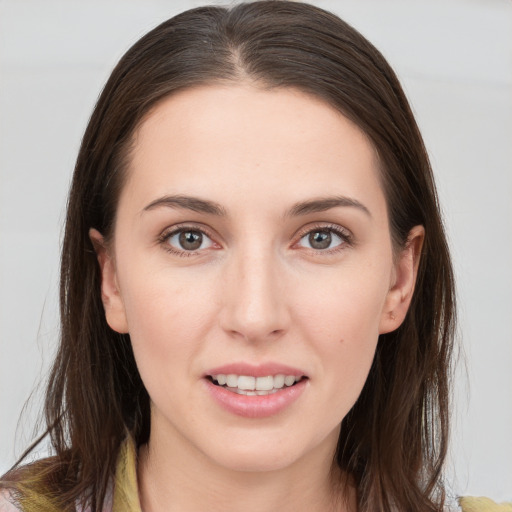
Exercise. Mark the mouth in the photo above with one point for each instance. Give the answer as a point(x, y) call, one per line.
point(249, 385)
point(256, 391)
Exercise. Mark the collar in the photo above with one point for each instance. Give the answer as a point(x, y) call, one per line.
point(126, 493)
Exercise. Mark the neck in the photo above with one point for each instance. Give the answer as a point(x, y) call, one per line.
point(174, 476)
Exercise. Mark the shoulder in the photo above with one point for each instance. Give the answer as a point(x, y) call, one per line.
point(472, 504)
point(6, 503)
point(35, 487)
point(40, 505)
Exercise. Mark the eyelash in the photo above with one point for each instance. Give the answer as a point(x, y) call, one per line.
point(343, 234)
point(164, 238)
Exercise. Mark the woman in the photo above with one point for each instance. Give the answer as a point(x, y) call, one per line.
point(257, 299)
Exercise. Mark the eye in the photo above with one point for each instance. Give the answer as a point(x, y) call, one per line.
point(188, 240)
point(322, 239)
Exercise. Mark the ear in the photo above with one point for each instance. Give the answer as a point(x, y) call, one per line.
point(400, 293)
point(110, 295)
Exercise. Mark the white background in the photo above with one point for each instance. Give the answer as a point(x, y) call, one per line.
point(454, 58)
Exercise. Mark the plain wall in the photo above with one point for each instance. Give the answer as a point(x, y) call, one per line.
point(454, 58)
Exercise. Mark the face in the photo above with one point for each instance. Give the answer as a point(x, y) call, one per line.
point(252, 266)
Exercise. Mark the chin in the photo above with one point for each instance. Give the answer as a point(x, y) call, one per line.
point(256, 461)
point(270, 452)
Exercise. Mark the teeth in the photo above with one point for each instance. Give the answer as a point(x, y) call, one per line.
point(231, 380)
point(289, 380)
point(253, 393)
point(245, 382)
point(248, 385)
point(279, 381)
point(264, 383)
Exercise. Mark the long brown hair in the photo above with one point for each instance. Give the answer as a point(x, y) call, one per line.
point(394, 441)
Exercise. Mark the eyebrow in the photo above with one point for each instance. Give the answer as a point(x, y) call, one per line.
point(323, 204)
point(188, 203)
point(298, 209)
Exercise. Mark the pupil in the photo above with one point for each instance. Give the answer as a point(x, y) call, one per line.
point(191, 240)
point(320, 239)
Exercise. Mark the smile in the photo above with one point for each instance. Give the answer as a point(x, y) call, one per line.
point(256, 391)
point(254, 386)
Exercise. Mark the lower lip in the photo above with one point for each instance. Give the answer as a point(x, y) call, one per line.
point(259, 406)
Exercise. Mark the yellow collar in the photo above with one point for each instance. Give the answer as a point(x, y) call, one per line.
point(126, 493)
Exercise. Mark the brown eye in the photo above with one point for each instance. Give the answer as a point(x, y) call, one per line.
point(189, 240)
point(322, 239)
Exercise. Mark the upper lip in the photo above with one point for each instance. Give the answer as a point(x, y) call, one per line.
point(256, 370)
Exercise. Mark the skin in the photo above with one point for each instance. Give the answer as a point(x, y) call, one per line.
point(256, 291)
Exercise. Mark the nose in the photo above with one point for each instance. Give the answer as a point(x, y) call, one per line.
point(253, 304)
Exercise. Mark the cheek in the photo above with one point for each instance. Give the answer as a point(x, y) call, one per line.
point(342, 323)
point(345, 307)
point(168, 317)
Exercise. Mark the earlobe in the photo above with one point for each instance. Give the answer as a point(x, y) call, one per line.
point(400, 293)
point(110, 293)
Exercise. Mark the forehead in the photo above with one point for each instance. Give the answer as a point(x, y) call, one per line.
point(240, 140)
